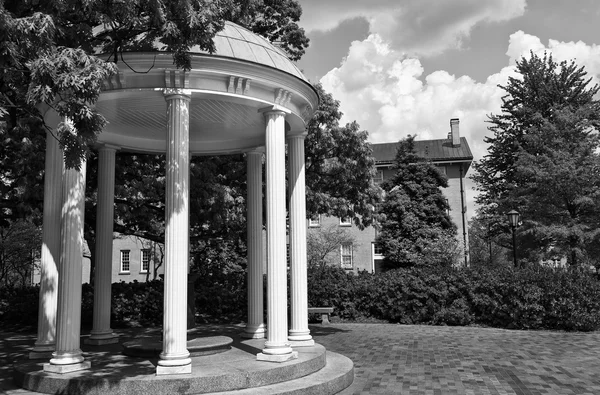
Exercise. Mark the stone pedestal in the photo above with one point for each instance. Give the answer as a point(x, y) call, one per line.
point(49, 260)
point(255, 328)
point(174, 358)
point(102, 332)
point(299, 334)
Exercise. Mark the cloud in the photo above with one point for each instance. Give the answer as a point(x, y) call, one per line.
point(521, 43)
point(388, 95)
point(413, 27)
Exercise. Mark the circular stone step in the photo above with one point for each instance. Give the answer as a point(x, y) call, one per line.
point(151, 347)
point(233, 370)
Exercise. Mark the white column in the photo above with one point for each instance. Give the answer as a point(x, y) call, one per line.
point(175, 358)
point(277, 347)
point(255, 328)
point(101, 332)
point(299, 334)
point(49, 261)
point(68, 356)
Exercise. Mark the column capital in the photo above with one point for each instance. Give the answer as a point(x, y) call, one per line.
point(256, 151)
point(177, 93)
point(274, 109)
point(108, 147)
point(297, 135)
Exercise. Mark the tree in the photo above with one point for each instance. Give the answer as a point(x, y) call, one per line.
point(489, 243)
point(339, 166)
point(321, 242)
point(19, 252)
point(415, 212)
point(543, 158)
point(49, 50)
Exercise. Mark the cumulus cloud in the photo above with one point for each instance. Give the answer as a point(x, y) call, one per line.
point(521, 43)
point(387, 94)
point(413, 27)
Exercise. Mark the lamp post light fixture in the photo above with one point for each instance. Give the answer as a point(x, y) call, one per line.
point(513, 220)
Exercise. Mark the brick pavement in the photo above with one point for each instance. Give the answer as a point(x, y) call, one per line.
point(429, 360)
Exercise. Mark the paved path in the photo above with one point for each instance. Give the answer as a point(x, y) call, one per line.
point(424, 360)
point(428, 360)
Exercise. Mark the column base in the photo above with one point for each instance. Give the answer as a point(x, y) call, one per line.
point(40, 354)
point(301, 343)
point(98, 339)
point(277, 357)
point(62, 369)
point(163, 370)
point(42, 351)
point(258, 332)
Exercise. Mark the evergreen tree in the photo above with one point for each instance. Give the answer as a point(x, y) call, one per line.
point(415, 219)
point(543, 159)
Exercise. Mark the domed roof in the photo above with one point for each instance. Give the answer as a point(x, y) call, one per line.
point(237, 42)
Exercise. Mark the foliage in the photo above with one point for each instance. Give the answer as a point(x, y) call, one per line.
point(415, 212)
point(322, 241)
point(276, 20)
point(489, 244)
point(50, 52)
point(339, 166)
point(543, 159)
point(19, 249)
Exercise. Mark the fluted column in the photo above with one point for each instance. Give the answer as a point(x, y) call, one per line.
point(175, 358)
point(50, 255)
point(68, 356)
point(277, 347)
point(299, 334)
point(255, 328)
point(101, 332)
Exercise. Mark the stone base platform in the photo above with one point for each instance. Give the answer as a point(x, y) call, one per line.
point(315, 371)
point(152, 347)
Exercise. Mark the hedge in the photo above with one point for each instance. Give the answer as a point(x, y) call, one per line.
point(534, 298)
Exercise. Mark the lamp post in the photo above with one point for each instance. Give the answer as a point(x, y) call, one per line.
point(513, 220)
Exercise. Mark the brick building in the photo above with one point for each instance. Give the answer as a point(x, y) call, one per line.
point(452, 155)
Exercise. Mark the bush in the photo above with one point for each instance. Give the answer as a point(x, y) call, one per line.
point(532, 298)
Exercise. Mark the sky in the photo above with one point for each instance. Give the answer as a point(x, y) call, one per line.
point(401, 67)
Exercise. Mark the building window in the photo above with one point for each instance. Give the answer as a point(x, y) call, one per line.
point(377, 250)
point(378, 178)
point(145, 266)
point(443, 170)
point(124, 261)
point(344, 221)
point(346, 255)
point(314, 222)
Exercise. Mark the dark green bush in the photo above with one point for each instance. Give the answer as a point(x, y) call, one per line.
point(532, 298)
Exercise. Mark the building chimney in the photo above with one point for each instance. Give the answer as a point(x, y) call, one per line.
point(454, 132)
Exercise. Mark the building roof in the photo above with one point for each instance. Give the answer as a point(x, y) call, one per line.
point(433, 150)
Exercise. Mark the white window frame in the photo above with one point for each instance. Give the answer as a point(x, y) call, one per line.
point(125, 254)
point(142, 270)
point(314, 222)
point(345, 221)
point(344, 263)
point(375, 256)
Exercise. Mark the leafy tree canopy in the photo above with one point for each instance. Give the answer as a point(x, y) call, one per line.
point(415, 212)
point(543, 158)
point(48, 51)
point(339, 166)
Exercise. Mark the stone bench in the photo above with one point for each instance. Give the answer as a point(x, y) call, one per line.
point(324, 311)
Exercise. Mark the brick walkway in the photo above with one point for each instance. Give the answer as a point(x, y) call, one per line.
point(429, 360)
point(423, 360)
